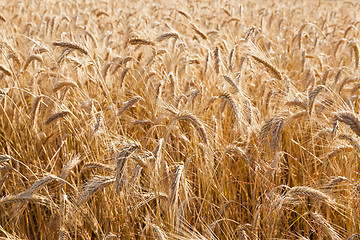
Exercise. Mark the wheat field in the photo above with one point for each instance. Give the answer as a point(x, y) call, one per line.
point(169, 119)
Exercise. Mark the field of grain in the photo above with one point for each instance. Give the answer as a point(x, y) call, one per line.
point(172, 119)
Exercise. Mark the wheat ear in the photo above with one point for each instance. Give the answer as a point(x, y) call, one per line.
point(217, 60)
point(34, 110)
point(95, 165)
point(63, 55)
point(310, 192)
point(233, 105)
point(157, 149)
point(352, 141)
point(200, 33)
point(297, 103)
point(5, 70)
point(157, 232)
point(120, 170)
point(122, 62)
point(278, 125)
point(232, 83)
point(68, 166)
point(184, 14)
point(354, 236)
point(23, 198)
point(138, 41)
point(197, 124)
point(175, 185)
point(2, 18)
point(268, 66)
point(57, 116)
point(168, 35)
point(266, 128)
point(123, 74)
point(128, 104)
point(61, 84)
point(335, 182)
point(31, 58)
point(312, 95)
point(72, 45)
point(325, 226)
point(349, 119)
point(354, 45)
point(92, 186)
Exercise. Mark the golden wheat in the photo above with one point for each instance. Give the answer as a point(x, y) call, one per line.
point(199, 120)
